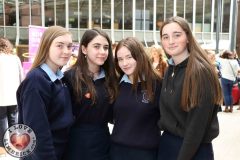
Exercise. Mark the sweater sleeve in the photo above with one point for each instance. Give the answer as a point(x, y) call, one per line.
point(21, 75)
point(198, 123)
point(34, 114)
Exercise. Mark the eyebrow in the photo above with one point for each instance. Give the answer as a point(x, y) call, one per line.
point(64, 43)
point(129, 54)
point(173, 32)
point(177, 32)
point(100, 44)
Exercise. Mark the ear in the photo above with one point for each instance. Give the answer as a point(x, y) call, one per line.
point(84, 50)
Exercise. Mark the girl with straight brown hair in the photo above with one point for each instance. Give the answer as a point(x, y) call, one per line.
point(135, 134)
point(190, 96)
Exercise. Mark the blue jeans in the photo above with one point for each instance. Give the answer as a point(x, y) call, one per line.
point(227, 91)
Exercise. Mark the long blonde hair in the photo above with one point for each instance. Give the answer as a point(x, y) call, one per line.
point(46, 40)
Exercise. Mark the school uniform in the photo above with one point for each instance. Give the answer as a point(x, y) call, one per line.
point(45, 106)
point(89, 137)
point(187, 135)
point(135, 134)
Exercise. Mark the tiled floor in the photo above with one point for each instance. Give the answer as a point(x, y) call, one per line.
point(7, 157)
point(226, 146)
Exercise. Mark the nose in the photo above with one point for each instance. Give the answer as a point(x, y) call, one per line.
point(102, 50)
point(67, 50)
point(124, 62)
point(171, 40)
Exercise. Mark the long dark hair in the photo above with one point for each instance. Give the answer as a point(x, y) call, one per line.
point(81, 74)
point(199, 72)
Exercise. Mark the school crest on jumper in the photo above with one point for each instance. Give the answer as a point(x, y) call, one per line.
point(145, 98)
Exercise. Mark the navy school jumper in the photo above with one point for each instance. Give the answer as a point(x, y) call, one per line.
point(45, 105)
point(89, 136)
point(135, 118)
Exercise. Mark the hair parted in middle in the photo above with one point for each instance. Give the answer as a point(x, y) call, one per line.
point(144, 71)
point(199, 71)
point(82, 74)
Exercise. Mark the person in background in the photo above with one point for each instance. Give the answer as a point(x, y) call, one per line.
point(44, 100)
point(229, 70)
point(11, 76)
point(238, 75)
point(114, 45)
point(135, 134)
point(158, 61)
point(92, 82)
point(190, 96)
point(212, 57)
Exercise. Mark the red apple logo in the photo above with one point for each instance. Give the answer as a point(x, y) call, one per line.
point(20, 141)
point(87, 95)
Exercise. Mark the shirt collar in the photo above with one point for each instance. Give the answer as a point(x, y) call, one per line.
point(182, 64)
point(125, 79)
point(101, 75)
point(171, 62)
point(51, 74)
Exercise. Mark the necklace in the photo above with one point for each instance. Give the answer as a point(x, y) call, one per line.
point(173, 72)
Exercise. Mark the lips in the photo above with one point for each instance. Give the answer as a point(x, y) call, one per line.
point(125, 69)
point(172, 48)
point(65, 58)
point(20, 141)
point(102, 58)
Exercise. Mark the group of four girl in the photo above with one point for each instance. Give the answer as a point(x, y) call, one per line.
point(139, 104)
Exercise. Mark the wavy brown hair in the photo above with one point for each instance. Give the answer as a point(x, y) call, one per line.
point(200, 76)
point(144, 70)
point(161, 68)
point(81, 75)
point(46, 40)
point(5, 46)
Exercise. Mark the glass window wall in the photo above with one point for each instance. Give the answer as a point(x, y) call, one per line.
point(84, 12)
point(49, 13)
point(60, 13)
point(180, 8)
point(10, 12)
point(36, 12)
point(100, 16)
point(73, 14)
point(160, 13)
point(24, 13)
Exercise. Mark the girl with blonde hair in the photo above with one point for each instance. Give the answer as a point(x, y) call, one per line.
point(44, 100)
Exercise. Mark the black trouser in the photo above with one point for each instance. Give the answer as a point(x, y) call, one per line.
point(8, 117)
